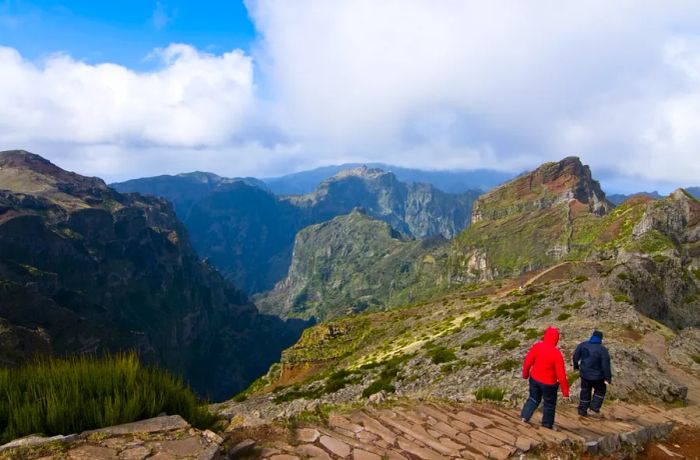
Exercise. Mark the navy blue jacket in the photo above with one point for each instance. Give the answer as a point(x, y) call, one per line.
point(593, 360)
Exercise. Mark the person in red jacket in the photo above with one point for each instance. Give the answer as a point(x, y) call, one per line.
point(544, 367)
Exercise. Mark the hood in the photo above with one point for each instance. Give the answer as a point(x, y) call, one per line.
point(551, 336)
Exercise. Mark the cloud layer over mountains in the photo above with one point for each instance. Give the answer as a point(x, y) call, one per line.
point(448, 84)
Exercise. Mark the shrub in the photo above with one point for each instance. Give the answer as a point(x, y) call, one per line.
point(580, 279)
point(493, 336)
point(622, 298)
point(386, 377)
point(623, 276)
point(382, 384)
point(507, 365)
point(696, 272)
point(574, 305)
point(563, 316)
point(531, 334)
point(439, 355)
point(489, 394)
point(571, 377)
point(696, 358)
point(61, 396)
point(545, 312)
point(511, 344)
point(336, 381)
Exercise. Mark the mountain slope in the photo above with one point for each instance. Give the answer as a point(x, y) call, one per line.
point(248, 233)
point(85, 269)
point(554, 214)
point(547, 249)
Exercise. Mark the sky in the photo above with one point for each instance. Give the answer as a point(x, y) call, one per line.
point(134, 88)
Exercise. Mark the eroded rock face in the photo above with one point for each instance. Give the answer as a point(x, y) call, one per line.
point(86, 269)
point(684, 349)
point(548, 185)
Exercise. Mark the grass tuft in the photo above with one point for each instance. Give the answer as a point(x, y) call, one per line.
point(62, 396)
point(489, 394)
point(439, 355)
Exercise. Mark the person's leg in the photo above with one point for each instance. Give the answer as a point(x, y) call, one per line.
point(532, 401)
point(549, 397)
point(585, 397)
point(599, 395)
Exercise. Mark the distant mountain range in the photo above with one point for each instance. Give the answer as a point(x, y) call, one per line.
point(248, 232)
point(451, 181)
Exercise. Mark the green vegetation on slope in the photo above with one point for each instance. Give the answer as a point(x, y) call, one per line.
point(68, 396)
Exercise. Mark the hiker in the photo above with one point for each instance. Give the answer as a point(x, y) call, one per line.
point(544, 367)
point(593, 360)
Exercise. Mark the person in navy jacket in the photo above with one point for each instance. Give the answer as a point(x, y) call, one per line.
point(593, 361)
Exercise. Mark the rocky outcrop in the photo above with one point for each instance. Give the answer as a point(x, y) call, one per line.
point(162, 437)
point(548, 185)
point(85, 269)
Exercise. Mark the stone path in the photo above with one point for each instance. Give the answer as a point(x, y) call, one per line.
point(443, 431)
point(160, 438)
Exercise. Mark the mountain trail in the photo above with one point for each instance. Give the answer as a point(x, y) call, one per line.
point(439, 430)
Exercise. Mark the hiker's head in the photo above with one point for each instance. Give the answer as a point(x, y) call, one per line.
point(597, 337)
point(551, 335)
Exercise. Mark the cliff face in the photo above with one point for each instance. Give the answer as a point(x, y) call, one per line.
point(84, 268)
point(248, 233)
point(350, 264)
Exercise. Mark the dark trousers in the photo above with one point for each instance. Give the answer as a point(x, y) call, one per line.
point(598, 387)
point(538, 392)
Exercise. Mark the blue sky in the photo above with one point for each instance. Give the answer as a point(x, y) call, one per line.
point(123, 89)
point(123, 31)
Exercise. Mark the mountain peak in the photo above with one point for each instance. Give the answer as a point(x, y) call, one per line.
point(26, 172)
point(362, 171)
point(548, 185)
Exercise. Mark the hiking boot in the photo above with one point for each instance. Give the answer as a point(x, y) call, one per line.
point(553, 428)
point(582, 414)
point(596, 414)
point(525, 421)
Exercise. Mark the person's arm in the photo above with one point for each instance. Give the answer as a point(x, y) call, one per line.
point(607, 371)
point(560, 370)
point(529, 361)
point(577, 356)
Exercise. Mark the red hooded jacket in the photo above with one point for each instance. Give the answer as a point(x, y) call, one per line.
point(545, 363)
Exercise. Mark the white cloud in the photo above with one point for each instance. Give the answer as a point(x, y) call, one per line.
point(193, 99)
point(500, 83)
point(428, 83)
